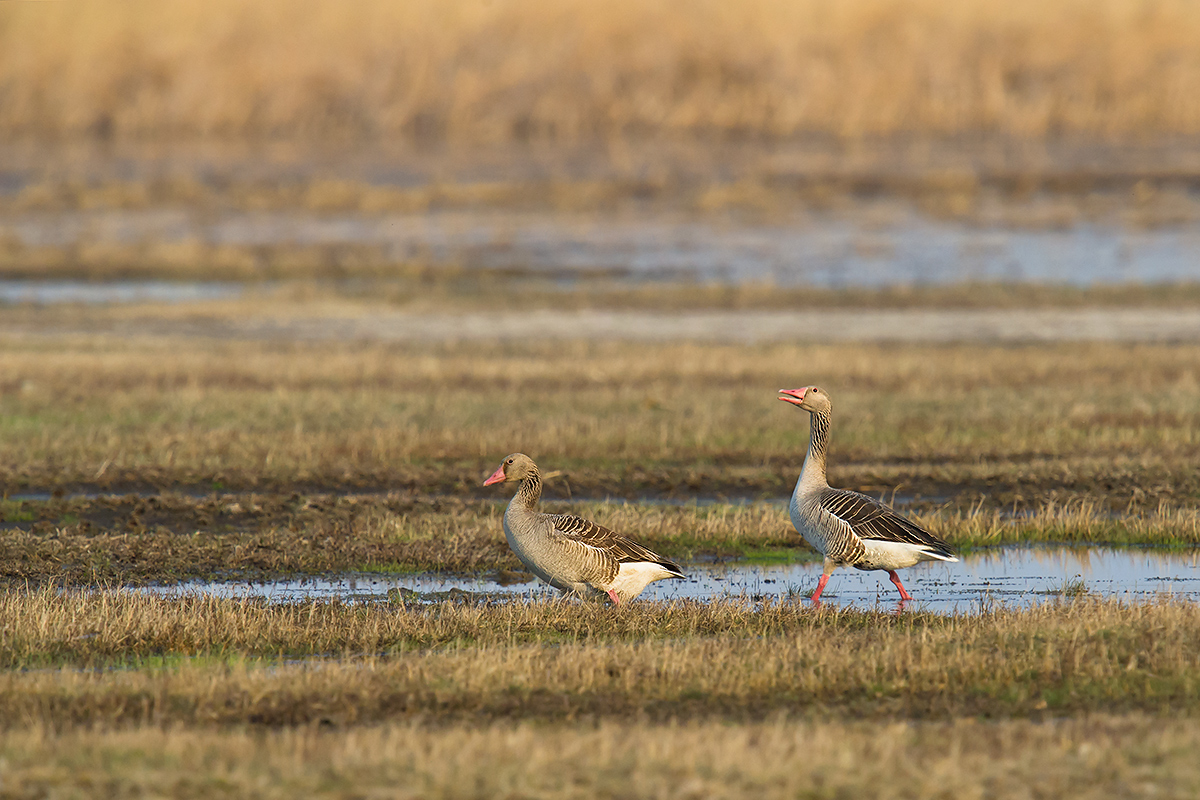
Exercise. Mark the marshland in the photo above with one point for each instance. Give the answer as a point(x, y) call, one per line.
point(138, 461)
point(279, 287)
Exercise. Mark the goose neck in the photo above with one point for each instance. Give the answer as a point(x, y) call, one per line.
point(531, 490)
point(813, 472)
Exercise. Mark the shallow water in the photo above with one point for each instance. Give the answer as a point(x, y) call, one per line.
point(109, 292)
point(817, 251)
point(1013, 577)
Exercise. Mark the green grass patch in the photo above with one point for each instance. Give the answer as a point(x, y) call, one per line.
point(16, 511)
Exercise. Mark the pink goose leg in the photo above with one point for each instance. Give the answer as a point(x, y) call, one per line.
point(816, 596)
point(612, 593)
point(904, 595)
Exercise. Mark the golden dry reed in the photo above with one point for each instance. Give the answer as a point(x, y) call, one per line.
point(573, 70)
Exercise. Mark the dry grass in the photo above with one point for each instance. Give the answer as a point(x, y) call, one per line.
point(1010, 425)
point(548, 660)
point(269, 438)
point(167, 538)
point(133, 541)
point(214, 697)
point(430, 291)
point(532, 69)
point(1101, 756)
point(95, 628)
point(1083, 522)
point(817, 187)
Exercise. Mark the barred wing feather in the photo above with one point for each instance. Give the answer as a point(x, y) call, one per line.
point(871, 519)
point(623, 550)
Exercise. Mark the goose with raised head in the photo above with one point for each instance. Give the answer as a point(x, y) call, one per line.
point(569, 552)
point(849, 528)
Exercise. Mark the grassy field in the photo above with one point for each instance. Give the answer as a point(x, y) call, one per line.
point(202, 458)
point(201, 660)
point(1100, 756)
point(139, 540)
point(135, 694)
point(1001, 425)
point(159, 458)
point(534, 70)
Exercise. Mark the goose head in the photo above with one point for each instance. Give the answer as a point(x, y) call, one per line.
point(514, 467)
point(813, 399)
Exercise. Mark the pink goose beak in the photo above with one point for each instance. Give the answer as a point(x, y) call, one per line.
point(793, 396)
point(497, 476)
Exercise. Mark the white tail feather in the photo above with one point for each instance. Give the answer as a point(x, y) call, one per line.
point(634, 576)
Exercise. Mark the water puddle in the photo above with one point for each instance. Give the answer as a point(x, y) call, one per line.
point(819, 251)
point(1013, 577)
point(53, 292)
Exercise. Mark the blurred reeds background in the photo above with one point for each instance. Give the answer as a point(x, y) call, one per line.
point(567, 70)
point(1016, 115)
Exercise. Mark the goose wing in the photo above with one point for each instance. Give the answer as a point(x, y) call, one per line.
point(871, 519)
point(589, 534)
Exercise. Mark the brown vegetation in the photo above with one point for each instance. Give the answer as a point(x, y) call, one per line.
point(998, 425)
point(533, 69)
point(261, 459)
point(168, 538)
point(1103, 755)
point(561, 660)
point(130, 692)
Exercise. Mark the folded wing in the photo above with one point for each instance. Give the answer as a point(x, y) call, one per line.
point(871, 519)
point(625, 551)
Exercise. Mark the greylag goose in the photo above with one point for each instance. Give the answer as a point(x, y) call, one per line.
point(569, 552)
point(848, 528)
